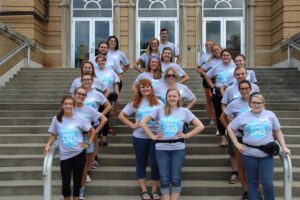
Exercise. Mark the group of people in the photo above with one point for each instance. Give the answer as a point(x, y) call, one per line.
point(162, 113)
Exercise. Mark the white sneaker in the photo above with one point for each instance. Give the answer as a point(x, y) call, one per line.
point(217, 133)
point(82, 193)
point(88, 179)
point(95, 164)
point(212, 123)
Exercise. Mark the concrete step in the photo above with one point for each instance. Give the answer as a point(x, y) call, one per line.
point(111, 187)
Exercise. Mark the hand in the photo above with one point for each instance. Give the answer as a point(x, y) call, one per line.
point(157, 137)
point(47, 149)
point(181, 136)
point(136, 125)
point(287, 151)
point(240, 147)
point(83, 145)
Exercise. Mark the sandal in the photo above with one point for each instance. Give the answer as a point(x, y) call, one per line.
point(223, 143)
point(233, 179)
point(145, 196)
point(155, 196)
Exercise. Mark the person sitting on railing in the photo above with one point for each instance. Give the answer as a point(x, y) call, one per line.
point(68, 128)
point(259, 127)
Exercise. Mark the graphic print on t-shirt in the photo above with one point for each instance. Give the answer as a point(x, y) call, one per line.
point(91, 102)
point(69, 135)
point(169, 126)
point(258, 128)
point(143, 112)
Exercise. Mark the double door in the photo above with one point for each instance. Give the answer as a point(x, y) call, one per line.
point(227, 32)
point(87, 33)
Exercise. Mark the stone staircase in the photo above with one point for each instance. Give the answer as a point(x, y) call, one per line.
point(32, 97)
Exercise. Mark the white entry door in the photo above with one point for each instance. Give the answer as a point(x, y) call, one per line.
point(150, 27)
point(228, 32)
point(86, 34)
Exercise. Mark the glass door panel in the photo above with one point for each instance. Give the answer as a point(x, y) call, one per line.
point(213, 31)
point(147, 31)
point(82, 41)
point(170, 25)
point(233, 36)
point(101, 33)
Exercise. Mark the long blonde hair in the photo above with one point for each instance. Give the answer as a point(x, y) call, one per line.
point(167, 108)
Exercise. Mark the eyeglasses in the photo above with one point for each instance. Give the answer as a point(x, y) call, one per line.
point(81, 94)
point(87, 79)
point(171, 76)
point(244, 89)
point(256, 103)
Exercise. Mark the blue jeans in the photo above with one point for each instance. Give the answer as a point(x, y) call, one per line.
point(143, 149)
point(170, 166)
point(259, 168)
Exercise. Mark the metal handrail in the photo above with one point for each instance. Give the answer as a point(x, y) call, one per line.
point(287, 174)
point(47, 171)
point(15, 51)
point(295, 46)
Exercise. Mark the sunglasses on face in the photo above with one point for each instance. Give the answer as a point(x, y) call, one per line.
point(81, 94)
point(171, 76)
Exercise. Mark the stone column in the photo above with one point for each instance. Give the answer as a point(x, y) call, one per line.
point(132, 31)
point(183, 33)
point(116, 19)
point(198, 28)
point(65, 33)
point(251, 31)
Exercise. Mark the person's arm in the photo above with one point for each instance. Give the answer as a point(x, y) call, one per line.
point(279, 136)
point(208, 80)
point(137, 66)
point(116, 89)
point(198, 127)
point(124, 119)
point(223, 119)
point(107, 108)
point(102, 122)
point(223, 106)
point(222, 90)
point(126, 67)
point(91, 136)
point(147, 129)
point(234, 140)
point(178, 59)
point(51, 140)
point(191, 103)
point(184, 78)
point(134, 88)
point(106, 92)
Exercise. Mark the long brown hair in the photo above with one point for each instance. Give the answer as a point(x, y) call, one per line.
point(60, 114)
point(158, 73)
point(166, 49)
point(89, 62)
point(138, 96)
point(167, 108)
point(149, 49)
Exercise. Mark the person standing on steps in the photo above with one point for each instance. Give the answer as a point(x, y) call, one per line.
point(144, 102)
point(68, 129)
point(170, 146)
point(259, 127)
point(163, 43)
point(97, 120)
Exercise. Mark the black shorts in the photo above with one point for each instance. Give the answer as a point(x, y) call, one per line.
point(205, 84)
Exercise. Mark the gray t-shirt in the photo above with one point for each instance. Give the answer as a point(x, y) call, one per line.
point(233, 92)
point(185, 93)
point(234, 109)
point(111, 64)
point(175, 50)
point(170, 125)
point(94, 99)
point(119, 56)
point(222, 73)
point(257, 129)
point(211, 63)
point(97, 84)
point(141, 112)
point(156, 83)
point(203, 59)
point(88, 114)
point(145, 59)
point(69, 133)
point(108, 77)
point(179, 70)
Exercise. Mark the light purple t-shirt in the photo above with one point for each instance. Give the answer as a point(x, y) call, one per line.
point(175, 50)
point(69, 133)
point(141, 112)
point(185, 93)
point(170, 125)
point(179, 70)
point(235, 108)
point(117, 55)
point(211, 63)
point(222, 73)
point(108, 77)
point(110, 64)
point(97, 84)
point(156, 83)
point(257, 129)
point(233, 92)
point(94, 99)
point(203, 59)
point(88, 114)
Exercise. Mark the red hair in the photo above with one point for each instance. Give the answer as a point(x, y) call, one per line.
point(138, 97)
